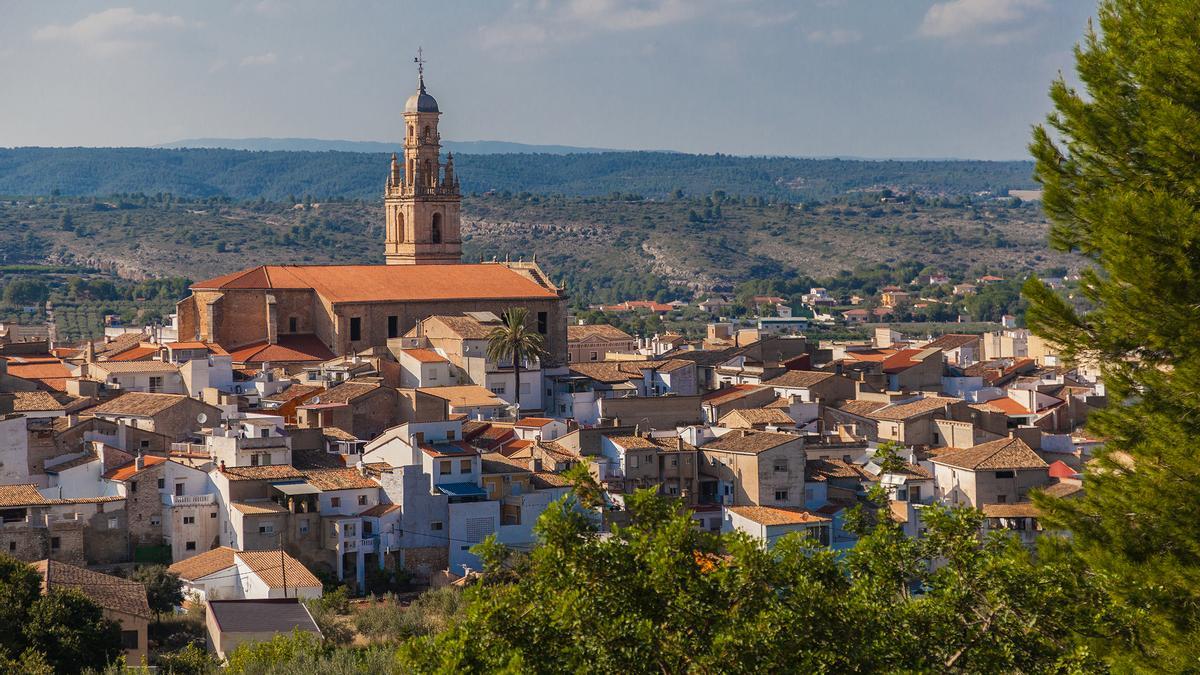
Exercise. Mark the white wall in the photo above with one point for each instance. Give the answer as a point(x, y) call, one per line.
point(469, 524)
point(14, 451)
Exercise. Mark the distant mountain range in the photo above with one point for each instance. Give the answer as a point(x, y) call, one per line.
point(323, 145)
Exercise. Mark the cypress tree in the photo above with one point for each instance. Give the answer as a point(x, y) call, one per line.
point(1120, 167)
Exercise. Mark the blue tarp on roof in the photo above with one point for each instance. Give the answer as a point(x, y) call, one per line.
point(461, 490)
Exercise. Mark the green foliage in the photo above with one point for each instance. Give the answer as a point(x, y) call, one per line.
point(333, 628)
point(26, 292)
point(305, 653)
point(71, 631)
point(193, 659)
point(20, 587)
point(513, 341)
point(278, 175)
point(164, 590)
point(1121, 187)
point(662, 596)
point(432, 612)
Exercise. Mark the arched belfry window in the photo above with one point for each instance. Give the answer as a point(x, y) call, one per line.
point(436, 230)
point(399, 226)
point(426, 132)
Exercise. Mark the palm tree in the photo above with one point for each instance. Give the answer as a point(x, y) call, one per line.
point(513, 340)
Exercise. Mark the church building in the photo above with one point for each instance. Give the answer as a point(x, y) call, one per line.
point(298, 313)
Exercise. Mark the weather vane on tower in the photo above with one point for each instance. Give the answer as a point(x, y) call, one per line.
point(419, 59)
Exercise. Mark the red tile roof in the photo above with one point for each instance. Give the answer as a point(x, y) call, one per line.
point(425, 355)
point(136, 354)
point(731, 393)
point(289, 349)
point(130, 470)
point(1060, 469)
point(1008, 406)
point(48, 371)
point(387, 283)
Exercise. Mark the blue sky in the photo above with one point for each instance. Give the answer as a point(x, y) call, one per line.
point(873, 78)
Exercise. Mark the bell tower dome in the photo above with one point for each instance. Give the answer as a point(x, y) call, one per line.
point(422, 203)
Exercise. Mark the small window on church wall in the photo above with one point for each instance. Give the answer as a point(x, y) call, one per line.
point(411, 131)
point(293, 326)
point(393, 326)
point(355, 329)
point(436, 233)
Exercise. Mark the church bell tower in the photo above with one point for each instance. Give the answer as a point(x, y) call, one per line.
point(422, 201)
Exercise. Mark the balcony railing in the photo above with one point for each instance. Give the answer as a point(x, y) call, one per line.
point(189, 500)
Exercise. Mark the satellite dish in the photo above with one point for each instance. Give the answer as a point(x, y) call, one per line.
point(201, 418)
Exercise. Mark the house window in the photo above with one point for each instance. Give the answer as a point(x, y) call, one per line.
point(189, 520)
point(335, 502)
point(156, 383)
point(55, 543)
point(592, 356)
point(129, 639)
point(133, 486)
point(491, 488)
point(12, 545)
point(266, 528)
point(144, 445)
point(449, 434)
point(112, 523)
point(1004, 474)
point(355, 329)
point(362, 500)
point(436, 526)
point(1001, 499)
point(179, 489)
point(393, 326)
point(155, 521)
point(464, 466)
point(781, 495)
point(543, 323)
point(674, 461)
point(162, 483)
point(914, 493)
point(781, 466)
point(436, 229)
point(445, 468)
point(254, 459)
point(304, 526)
point(292, 325)
point(213, 514)
point(189, 546)
point(673, 490)
point(633, 461)
point(498, 389)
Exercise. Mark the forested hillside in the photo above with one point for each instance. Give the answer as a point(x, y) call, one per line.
point(275, 176)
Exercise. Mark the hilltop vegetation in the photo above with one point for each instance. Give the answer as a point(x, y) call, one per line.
point(275, 176)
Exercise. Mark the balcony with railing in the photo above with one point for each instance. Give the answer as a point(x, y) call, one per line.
point(189, 500)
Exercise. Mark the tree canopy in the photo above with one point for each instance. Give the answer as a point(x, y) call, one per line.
point(1122, 186)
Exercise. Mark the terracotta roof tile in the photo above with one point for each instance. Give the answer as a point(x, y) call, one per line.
point(258, 507)
point(109, 592)
point(778, 515)
point(272, 472)
point(266, 564)
point(466, 395)
point(130, 470)
point(952, 341)
point(348, 478)
point(388, 283)
point(141, 404)
point(751, 442)
point(799, 379)
point(723, 396)
point(753, 416)
point(599, 331)
point(135, 354)
point(20, 495)
point(115, 366)
point(1017, 510)
point(1004, 453)
point(911, 409)
point(204, 564)
point(301, 348)
point(35, 401)
point(860, 408)
point(424, 355)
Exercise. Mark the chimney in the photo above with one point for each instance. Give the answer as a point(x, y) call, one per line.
point(122, 435)
point(362, 468)
point(139, 462)
point(535, 464)
point(222, 466)
point(679, 443)
point(637, 430)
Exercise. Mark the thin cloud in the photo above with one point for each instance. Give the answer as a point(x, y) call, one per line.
point(112, 31)
point(532, 27)
point(835, 37)
point(264, 59)
point(989, 21)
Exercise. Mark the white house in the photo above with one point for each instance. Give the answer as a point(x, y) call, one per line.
point(226, 574)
